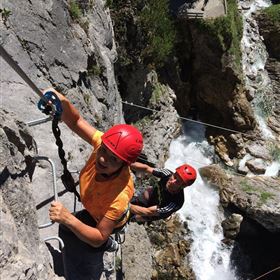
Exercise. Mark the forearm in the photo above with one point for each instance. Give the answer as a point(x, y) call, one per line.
point(141, 167)
point(143, 211)
point(88, 234)
point(73, 119)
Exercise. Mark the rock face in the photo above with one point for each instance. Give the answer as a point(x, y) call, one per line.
point(257, 198)
point(170, 249)
point(23, 254)
point(77, 59)
point(53, 50)
point(270, 30)
point(219, 97)
point(231, 225)
point(63, 54)
point(162, 125)
point(136, 253)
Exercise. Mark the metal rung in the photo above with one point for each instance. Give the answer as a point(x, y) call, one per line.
point(39, 121)
point(56, 238)
point(38, 158)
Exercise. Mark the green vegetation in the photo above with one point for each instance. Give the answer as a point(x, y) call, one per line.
point(84, 23)
point(265, 103)
point(87, 98)
point(144, 122)
point(266, 196)
point(246, 187)
point(118, 263)
point(75, 10)
point(144, 30)
point(157, 92)
point(5, 13)
point(228, 30)
point(95, 70)
point(274, 150)
point(273, 12)
point(159, 30)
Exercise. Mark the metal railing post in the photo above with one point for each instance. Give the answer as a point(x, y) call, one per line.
point(56, 238)
point(38, 158)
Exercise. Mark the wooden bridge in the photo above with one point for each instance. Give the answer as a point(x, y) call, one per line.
point(204, 9)
point(190, 14)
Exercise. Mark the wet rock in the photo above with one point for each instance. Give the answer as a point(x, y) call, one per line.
point(257, 198)
point(257, 166)
point(231, 225)
point(259, 151)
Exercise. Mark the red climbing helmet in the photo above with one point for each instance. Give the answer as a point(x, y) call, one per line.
point(125, 141)
point(187, 173)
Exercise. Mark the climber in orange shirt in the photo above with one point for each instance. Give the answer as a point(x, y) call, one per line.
point(106, 187)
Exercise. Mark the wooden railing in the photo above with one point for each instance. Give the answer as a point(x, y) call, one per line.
point(190, 14)
point(194, 14)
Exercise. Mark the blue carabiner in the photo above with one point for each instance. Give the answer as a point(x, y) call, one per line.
point(47, 109)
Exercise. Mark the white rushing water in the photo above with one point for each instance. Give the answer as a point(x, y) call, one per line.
point(209, 258)
point(257, 81)
point(254, 56)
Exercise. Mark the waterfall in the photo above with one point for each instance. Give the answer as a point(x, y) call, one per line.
point(257, 81)
point(209, 257)
point(254, 56)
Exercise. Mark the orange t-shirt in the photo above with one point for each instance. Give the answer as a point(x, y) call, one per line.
point(108, 199)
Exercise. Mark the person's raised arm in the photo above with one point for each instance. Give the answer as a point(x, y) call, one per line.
point(158, 172)
point(141, 167)
point(73, 119)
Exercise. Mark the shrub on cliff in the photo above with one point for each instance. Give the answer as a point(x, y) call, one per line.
point(228, 30)
point(144, 30)
point(273, 12)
